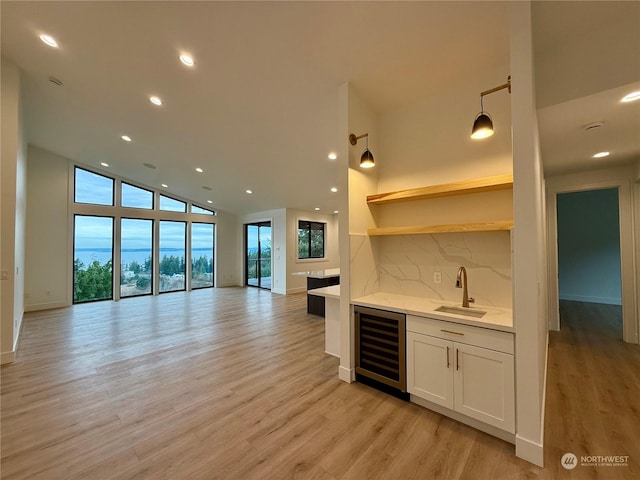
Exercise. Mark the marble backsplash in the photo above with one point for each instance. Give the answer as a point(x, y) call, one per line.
point(405, 265)
point(364, 274)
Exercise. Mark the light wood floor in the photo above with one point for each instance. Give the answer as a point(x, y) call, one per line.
point(234, 384)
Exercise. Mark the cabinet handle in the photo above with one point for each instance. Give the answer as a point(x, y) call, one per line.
point(447, 357)
point(457, 359)
point(449, 331)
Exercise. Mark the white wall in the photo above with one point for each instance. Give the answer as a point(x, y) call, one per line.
point(47, 277)
point(296, 283)
point(284, 247)
point(13, 194)
point(227, 247)
point(529, 259)
point(429, 143)
point(621, 178)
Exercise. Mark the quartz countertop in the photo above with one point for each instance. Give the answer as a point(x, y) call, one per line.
point(329, 272)
point(328, 292)
point(495, 318)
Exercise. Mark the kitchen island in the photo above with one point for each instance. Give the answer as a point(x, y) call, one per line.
point(318, 279)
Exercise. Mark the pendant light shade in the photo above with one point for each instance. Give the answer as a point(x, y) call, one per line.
point(482, 126)
point(366, 160)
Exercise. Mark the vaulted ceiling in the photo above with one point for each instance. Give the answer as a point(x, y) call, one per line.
point(258, 109)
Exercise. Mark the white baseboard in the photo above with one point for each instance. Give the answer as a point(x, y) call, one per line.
point(530, 451)
point(45, 306)
point(591, 299)
point(7, 357)
point(279, 291)
point(10, 357)
point(346, 374)
point(291, 291)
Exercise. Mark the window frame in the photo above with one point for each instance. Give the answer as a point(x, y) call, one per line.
point(153, 197)
point(152, 272)
point(75, 188)
point(308, 242)
point(113, 254)
point(160, 209)
point(186, 253)
point(213, 255)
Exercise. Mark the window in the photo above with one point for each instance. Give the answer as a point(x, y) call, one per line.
point(310, 239)
point(92, 188)
point(145, 231)
point(172, 256)
point(92, 258)
point(136, 197)
point(171, 205)
point(202, 255)
point(201, 211)
point(136, 240)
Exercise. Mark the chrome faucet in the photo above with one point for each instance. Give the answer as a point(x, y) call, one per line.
point(461, 282)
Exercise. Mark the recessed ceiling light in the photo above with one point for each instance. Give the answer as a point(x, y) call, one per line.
point(56, 81)
point(49, 40)
point(155, 100)
point(104, 164)
point(249, 192)
point(601, 154)
point(164, 185)
point(199, 170)
point(631, 97)
point(317, 208)
point(336, 211)
point(187, 60)
point(334, 189)
point(333, 156)
point(209, 201)
point(149, 165)
point(126, 138)
point(207, 188)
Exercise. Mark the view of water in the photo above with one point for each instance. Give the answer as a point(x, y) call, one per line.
point(88, 255)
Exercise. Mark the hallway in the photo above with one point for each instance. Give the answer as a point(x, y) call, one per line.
point(593, 392)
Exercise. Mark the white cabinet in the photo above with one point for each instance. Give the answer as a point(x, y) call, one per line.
point(467, 369)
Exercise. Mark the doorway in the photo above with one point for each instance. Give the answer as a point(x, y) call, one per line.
point(589, 254)
point(258, 255)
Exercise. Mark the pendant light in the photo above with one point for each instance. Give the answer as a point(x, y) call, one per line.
point(483, 125)
point(366, 160)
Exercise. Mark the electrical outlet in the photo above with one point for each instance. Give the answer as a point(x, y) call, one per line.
point(437, 277)
point(4, 275)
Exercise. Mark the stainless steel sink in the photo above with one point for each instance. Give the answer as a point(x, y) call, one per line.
point(468, 312)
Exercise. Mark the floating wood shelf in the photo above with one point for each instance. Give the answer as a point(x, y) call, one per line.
point(450, 228)
point(487, 184)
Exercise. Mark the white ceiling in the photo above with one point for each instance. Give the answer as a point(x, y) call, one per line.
point(260, 107)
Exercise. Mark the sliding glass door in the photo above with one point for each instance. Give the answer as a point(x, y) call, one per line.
point(258, 255)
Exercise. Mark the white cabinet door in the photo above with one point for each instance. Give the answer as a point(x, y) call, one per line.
point(429, 368)
point(484, 385)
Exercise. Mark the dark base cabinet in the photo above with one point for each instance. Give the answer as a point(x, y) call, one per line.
point(315, 303)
